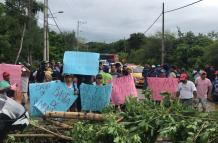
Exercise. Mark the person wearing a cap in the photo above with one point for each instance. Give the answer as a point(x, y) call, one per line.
point(186, 90)
point(5, 83)
point(68, 79)
point(215, 87)
point(204, 89)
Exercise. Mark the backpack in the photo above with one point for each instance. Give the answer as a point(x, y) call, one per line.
point(215, 87)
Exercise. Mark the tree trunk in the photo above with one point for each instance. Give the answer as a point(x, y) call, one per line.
point(21, 43)
point(75, 115)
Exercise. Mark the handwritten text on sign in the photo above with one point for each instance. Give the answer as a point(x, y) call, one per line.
point(37, 91)
point(14, 71)
point(123, 87)
point(84, 63)
point(59, 98)
point(158, 85)
point(95, 98)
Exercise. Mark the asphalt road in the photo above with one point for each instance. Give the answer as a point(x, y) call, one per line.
point(140, 95)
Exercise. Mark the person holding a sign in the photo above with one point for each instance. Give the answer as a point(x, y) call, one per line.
point(186, 90)
point(68, 79)
point(6, 87)
point(6, 80)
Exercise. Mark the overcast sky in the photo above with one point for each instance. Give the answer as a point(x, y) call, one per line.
point(111, 20)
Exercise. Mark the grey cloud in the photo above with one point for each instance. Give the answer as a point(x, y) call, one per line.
point(111, 20)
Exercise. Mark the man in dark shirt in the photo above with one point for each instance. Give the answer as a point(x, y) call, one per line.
point(145, 74)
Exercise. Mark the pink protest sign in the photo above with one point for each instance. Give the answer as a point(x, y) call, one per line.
point(14, 71)
point(123, 87)
point(158, 85)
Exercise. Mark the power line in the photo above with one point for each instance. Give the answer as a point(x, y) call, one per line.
point(169, 12)
point(183, 6)
point(54, 19)
point(152, 24)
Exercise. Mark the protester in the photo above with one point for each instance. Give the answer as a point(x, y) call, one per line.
point(48, 76)
point(129, 70)
point(154, 71)
point(40, 74)
point(4, 87)
point(119, 68)
point(186, 90)
point(204, 88)
point(196, 73)
point(215, 87)
point(99, 80)
point(114, 72)
point(56, 69)
point(12, 116)
point(24, 84)
point(106, 76)
point(101, 67)
point(125, 70)
point(75, 84)
point(145, 74)
point(172, 72)
point(163, 73)
point(210, 72)
point(68, 79)
point(9, 89)
point(6, 80)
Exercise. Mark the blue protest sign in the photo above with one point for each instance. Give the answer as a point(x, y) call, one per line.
point(83, 63)
point(58, 98)
point(37, 91)
point(95, 98)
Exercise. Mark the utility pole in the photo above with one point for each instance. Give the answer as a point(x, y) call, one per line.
point(77, 33)
point(30, 15)
point(46, 44)
point(163, 47)
point(124, 44)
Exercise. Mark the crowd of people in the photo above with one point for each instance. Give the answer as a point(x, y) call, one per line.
point(194, 88)
point(204, 85)
point(51, 71)
point(14, 115)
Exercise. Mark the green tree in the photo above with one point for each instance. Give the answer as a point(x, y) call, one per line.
point(211, 54)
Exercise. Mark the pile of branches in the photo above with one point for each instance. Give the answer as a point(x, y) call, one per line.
point(145, 121)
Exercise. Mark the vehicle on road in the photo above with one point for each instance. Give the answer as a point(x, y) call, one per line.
point(137, 74)
point(111, 58)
